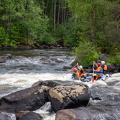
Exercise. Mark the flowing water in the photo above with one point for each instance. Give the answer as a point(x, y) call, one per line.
point(29, 66)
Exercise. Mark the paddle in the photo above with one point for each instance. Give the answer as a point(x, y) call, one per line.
point(70, 69)
point(92, 79)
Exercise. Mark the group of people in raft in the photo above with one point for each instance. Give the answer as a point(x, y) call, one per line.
point(99, 70)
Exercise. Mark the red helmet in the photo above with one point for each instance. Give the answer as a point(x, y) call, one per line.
point(98, 64)
point(75, 69)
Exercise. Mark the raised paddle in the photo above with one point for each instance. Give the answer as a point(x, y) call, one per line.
point(70, 69)
point(92, 79)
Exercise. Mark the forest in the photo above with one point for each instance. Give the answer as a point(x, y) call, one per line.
point(91, 27)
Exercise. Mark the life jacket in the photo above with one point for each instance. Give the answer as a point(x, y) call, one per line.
point(75, 75)
point(81, 73)
point(105, 67)
point(99, 71)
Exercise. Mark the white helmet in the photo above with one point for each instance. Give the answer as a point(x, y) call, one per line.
point(81, 66)
point(103, 62)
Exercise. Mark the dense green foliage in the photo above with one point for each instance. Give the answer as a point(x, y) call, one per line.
point(71, 22)
point(23, 22)
point(86, 53)
point(114, 59)
point(99, 23)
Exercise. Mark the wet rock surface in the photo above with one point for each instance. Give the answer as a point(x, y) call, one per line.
point(4, 58)
point(27, 99)
point(7, 116)
point(63, 97)
point(28, 115)
point(53, 83)
point(103, 99)
point(89, 113)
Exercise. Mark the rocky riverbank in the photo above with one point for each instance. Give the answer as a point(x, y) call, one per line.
point(62, 95)
point(70, 100)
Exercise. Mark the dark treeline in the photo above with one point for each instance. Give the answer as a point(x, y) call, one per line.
point(70, 22)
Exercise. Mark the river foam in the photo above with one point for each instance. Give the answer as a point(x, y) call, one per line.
point(13, 82)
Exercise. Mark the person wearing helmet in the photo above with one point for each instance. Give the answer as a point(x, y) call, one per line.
point(105, 68)
point(102, 62)
point(81, 66)
point(81, 71)
point(75, 74)
point(99, 71)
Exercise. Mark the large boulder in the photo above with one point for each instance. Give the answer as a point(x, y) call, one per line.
point(28, 115)
point(89, 113)
point(69, 96)
point(28, 99)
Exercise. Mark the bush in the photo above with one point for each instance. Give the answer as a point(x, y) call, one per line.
point(4, 40)
point(114, 59)
point(47, 38)
point(69, 34)
point(86, 53)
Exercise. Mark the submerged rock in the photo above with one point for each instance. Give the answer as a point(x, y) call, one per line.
point(53, 83)
point(3, 59)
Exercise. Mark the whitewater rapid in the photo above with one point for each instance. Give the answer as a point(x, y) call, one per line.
point(28, 67)
point(13, 82)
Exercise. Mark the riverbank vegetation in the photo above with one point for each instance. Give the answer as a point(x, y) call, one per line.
point(68, 22)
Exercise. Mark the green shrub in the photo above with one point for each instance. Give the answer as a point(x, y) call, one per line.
point(114, 59)
point(4, 40)
point(47, 38)
point(68, 33)
point(86, 53)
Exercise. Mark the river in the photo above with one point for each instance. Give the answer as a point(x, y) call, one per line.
point(29, 66)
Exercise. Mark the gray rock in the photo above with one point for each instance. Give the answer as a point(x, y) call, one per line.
point(69, 96)
point(7, 116)
point(28, 115)
point(28, 99)
point(90, 113)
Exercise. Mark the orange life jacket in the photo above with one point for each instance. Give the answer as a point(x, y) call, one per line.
point(81, 73)
point(105, 67)
point(77, 75)
point(97, 76)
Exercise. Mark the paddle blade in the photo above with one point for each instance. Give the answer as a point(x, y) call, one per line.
point(92, 79)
